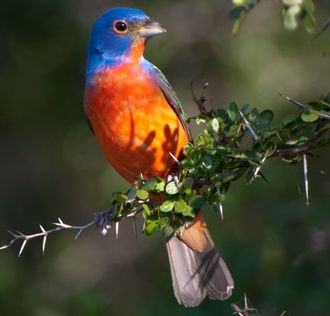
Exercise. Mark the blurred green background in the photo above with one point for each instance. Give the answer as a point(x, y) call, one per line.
point(277, 249)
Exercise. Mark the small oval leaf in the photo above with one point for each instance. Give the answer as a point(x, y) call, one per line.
point(172, 188)
point(167, 206)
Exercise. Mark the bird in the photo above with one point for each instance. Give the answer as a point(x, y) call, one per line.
point(140, 125)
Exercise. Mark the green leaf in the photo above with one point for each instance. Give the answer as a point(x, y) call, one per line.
point(189, 211)
point(244, 108)
point(142, 194)
point(220, 114)
point(120, 196)
point(168, 231)
point(202, 119)
point(151, 227)
point(215, 125)
point(264, 119)
point(188, 149)
point(207, 163)
point(289, 20)
point(228, 175)
point(308, 6)
point(292, 142)
point(162, 222)
point(292, 2)
point(172, 188)
point(253, 115)
point(309, 23)
point(195, 156)
point(146, 209)
point(202, 140)
point(149, 184)
point(238, 20)
point(271, 147)
point(197, 202)
point(233, 112)
point(309, 117)
point(180, 206)
point(246, 142)
point(235, 13)
point(167, 206)
point(302, 140)
point(131, 194)
point(187, 182)
point(160, 187)
point(216, 198)
point(288, 120)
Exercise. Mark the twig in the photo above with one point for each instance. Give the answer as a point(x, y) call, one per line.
point(245, 311)
point(102, 220)
point(303, 149)
point(201, 100)
point(305, 107)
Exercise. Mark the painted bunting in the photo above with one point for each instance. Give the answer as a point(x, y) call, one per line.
point(138, 121)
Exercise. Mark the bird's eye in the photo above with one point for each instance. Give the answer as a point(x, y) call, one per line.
point(120, 27)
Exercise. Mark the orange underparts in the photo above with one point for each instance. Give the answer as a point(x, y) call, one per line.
point(134, 123)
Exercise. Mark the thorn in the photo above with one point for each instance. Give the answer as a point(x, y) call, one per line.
point(22, 247)
point(176, 180)
point(78, 234)
point(305, 107)
point(249, 127)
point(263, 177)
point(44, 240)
point(323, 27)
point(62, 224)
point(257, 170)
point(117, 229)
point(305, 171)
point(13, 234)
point(134, 227)
point(293, 101)
point(174, 158)
point(220, 204)
point(42, 229)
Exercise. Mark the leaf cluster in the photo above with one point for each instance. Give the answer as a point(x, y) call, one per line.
point(291, 12)
point(235, 143)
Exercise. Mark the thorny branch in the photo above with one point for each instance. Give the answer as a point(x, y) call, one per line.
point(106, 219)
point(303, 150)
point(248, 310)
point(103, 220)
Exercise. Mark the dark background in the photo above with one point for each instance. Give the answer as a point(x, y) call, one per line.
point(51, 166)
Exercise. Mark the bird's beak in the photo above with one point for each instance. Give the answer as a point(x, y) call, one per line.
point(150, 29)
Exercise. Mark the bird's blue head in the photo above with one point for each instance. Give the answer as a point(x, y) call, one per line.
point(115, 33)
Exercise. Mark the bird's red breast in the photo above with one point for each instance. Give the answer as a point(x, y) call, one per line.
point(132, 120)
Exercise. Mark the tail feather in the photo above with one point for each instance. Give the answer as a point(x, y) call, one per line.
point(197, 274)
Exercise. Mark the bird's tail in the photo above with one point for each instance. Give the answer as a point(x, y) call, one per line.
point(196, 266)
